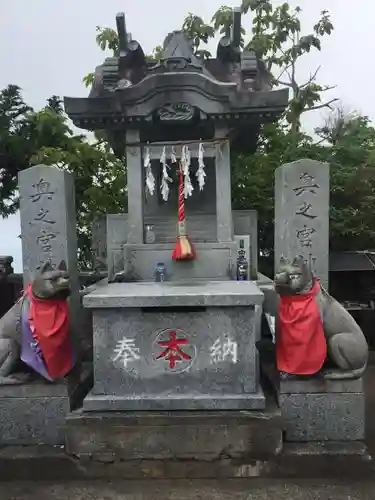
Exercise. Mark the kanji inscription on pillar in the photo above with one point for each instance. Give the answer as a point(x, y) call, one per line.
point(48, 228)
point(42, 190)
point(302, 214)
point(42, 193)
point(175, 349)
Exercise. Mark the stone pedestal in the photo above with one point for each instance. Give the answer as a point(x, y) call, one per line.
point(314, 409)
point(174, 346)
point(33, 414)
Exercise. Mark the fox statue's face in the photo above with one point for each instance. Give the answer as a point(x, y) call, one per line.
point(293, 278)
point(51, 283)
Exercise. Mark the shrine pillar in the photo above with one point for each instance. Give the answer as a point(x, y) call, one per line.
point(223, 187)
point(135, 179)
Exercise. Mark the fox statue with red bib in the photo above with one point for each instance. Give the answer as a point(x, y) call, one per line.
point(314, 332)
point(36, 330)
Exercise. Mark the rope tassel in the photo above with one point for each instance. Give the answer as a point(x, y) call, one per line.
point(183, 250)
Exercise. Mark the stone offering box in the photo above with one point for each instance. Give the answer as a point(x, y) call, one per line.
point(174, 346)
point(189, 342)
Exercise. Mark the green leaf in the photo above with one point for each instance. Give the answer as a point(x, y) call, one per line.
point(107, 38)
point(88, 80)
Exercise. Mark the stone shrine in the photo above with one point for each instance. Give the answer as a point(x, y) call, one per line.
point(177, 324)
point(187, 383)
point(187, 343)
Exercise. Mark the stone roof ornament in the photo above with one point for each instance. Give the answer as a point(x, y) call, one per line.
point(131, 60)
point(178, 55)
point(123, 40)
point(180, 95)
point(229, 46)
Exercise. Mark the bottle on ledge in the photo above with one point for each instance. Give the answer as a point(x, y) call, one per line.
point(160, 272)
point(242, 264)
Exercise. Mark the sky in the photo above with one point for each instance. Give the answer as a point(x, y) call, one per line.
point(47, 47)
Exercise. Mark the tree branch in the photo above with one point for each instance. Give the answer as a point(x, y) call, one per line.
point(311, 79)
point(283, 71)
point(287, 84)
point(320, 106)
point(328, 87)
point(293, 80)
point(292, 77)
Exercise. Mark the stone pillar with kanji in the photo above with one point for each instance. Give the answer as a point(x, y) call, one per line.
point(302, 214)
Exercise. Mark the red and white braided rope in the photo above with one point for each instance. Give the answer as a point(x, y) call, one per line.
point(181, 203)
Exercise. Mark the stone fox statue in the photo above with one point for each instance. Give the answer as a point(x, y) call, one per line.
point(36, 328)
point(326, 328)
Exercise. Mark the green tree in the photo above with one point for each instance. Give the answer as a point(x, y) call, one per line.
point(277, 38)
point(15, 145)
point(350, 150)
point(28, 137)
point(198, 32)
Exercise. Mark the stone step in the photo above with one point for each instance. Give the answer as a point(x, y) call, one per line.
point(195, 435)
point(303, 460)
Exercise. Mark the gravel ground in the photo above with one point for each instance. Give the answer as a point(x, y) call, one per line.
point(188, 490)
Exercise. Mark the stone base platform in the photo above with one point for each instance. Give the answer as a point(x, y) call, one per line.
point(315, 409)
point(329, 459)
point(194, 435)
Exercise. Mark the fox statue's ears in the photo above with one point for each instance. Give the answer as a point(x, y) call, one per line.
point(62, 266)
point(47, 266)
point(302, 264)
point(284, 261)
point(298, 261)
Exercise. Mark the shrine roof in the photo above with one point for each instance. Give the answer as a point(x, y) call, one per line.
point(131, 90)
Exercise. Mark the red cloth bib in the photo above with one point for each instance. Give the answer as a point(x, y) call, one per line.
point(49, 321)
point(301, 347)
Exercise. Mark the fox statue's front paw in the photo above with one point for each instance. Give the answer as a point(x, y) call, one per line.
point(337, 374)
point(16, 379)
point(289, 376)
